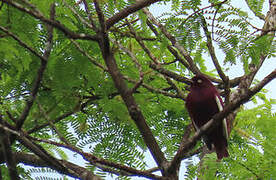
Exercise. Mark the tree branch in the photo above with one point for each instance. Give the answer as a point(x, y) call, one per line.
point(63, 116)
point(212, 50)
point(100, 16)
point(141, 43)
point(7, 152)
point(180, 93)
point(37, 14)
point(101, 163)
point(91, 26)
point(152, 89)
point(133, 108)
point(174, 42)
point(37, 149)
point(259, 15)
point(87, 10)
point(126, 94)
point(35, 161)
point(92, 60)
point(46, 54)
point(22, 43)
point(127, 11)
point(170, 74)
point(270, 23)
point(156, 63)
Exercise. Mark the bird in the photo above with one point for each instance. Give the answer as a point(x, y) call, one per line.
point(202, 103)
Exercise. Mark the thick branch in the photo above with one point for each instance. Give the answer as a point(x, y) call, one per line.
point(130, 102)
point(103, 164)
point(35, 161)
point(133, 108)
point(127, 11)
point(126, 93)
point(36, 149)
point(100, 15)
point(7, 152)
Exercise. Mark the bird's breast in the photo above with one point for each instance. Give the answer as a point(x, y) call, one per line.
point(203, 106)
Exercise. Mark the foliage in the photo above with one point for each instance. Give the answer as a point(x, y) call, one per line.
point(79, 106)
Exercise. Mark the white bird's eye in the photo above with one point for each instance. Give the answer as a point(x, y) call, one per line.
point(199, 81)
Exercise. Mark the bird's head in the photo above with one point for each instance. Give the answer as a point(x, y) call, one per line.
point(200, 81)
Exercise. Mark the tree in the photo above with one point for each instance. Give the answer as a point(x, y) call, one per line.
point(107, 80)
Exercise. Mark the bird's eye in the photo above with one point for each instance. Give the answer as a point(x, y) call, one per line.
point(199, 81)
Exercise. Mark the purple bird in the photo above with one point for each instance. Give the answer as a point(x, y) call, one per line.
point(202, 103)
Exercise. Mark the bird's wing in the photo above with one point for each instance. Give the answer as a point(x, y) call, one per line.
point(224, 123)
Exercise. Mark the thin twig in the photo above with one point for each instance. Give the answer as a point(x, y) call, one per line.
point(61, 137)
point(199, 10)
point(78, 15)
point(180, 93)
point(152, 89)
point(87, 10)
point(141, 43)
point(259, 15)
point(213, 20)
point(134, 59)
point(91, 59)
point(37, 14)
point(170, 74)
point(23, 44)
point(174, 42)
point(61, 117)
point(212, 50)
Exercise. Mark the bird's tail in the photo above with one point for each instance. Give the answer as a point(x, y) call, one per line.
point(221, 149)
